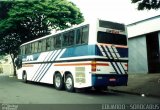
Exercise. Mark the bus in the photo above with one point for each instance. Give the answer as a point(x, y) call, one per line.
point(89, 55)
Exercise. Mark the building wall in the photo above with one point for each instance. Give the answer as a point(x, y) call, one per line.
point(6, 69)
point(144, 27)
point(137, 55)
point(6, 66)
point(138, 62)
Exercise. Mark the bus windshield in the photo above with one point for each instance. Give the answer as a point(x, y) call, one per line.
point(110, 38)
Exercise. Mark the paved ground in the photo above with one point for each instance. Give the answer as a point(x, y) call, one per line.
point(13, 91)
point(141, 84)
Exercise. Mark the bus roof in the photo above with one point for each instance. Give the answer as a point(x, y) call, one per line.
point(73, 27)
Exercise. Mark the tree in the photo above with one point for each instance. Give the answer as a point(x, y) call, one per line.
point(38, 18)
point(10, 46)
point(147, 4)
point(23, 21)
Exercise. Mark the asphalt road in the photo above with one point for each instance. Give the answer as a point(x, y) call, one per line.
point(14, 91)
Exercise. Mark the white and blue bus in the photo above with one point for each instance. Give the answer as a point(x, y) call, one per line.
point(87, 55)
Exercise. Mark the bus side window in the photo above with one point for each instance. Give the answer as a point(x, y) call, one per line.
point(23, 50)
point(57, 41)
point(52, 43)
point(48, 44)
point(43, 45)
point(36, 47)
point(78, 36)
point(33, 47)
point(68, 38)
point(27, 49)
point(82, 35)
point(39, 46)
point(71, 38)
point(85, 34)
point(65, 39)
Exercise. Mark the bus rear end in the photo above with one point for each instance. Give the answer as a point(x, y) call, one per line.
point(111, 65)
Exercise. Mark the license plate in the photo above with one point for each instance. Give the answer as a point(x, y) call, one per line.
point(112, 79)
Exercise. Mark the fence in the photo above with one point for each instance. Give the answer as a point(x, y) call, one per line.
point(6, 69)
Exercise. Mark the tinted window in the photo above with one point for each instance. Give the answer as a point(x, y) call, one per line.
point(57, 41)
point(112, 25)
point(82, 35)
point(36, 47)
point(28, 49)
point(33, 47)
point(43, 45)
point(39, 46)
point(68, 39)
point(23, 50)
point(48, 44)
point(110, 38)
point(52, 42)
point(85, 34)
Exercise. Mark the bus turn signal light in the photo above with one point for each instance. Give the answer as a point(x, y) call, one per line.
point(93, 66)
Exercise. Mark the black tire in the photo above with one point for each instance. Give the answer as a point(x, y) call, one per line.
point(24, 78)
point(69, 83)
point(58, 81)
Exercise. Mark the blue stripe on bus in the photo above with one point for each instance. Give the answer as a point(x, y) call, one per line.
point(123, 52)
point(118, 68)
point(117, 57)
point(49, 65)
point(46, 66)
point(115, 67)
point(86, 50)
point(76, 51)
point(42, 66)
point(43, 70)
point(107, 55)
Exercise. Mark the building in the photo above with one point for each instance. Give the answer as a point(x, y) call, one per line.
point(144, 46)
point(6, 66)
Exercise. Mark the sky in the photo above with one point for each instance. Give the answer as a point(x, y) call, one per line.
point(122, 11)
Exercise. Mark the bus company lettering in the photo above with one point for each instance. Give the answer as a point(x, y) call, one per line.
point(28, 58)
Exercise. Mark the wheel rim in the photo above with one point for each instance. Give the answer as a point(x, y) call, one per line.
point(57, 81)
point(69, 83)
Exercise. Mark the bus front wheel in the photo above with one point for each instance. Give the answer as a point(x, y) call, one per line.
point(25, 77)
point(58, 81)
point(69, 83)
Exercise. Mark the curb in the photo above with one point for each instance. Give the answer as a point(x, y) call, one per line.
point(134, 93)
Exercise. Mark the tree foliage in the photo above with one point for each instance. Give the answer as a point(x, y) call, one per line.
point(33, 19)
point(147, 4)
point(22, 21)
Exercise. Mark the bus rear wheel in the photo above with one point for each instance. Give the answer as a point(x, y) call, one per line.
point(69, 83)
point(58, 81)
